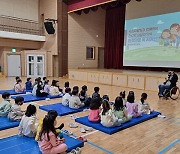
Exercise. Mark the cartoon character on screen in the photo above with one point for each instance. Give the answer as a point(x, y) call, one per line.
point(165, 36)
point(178, 37)
point(174, 33)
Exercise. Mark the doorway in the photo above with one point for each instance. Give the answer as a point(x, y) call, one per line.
point(101, 57)
point(35, 65)
point(14, 65)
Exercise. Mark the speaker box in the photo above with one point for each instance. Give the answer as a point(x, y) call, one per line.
point(49, 27)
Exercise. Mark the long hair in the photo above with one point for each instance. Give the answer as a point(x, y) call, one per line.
point(48, 125)
point(106, 106)
point(143, 97)
point(118, 104)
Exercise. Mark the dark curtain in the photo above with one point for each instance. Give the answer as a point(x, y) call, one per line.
point(114, 37)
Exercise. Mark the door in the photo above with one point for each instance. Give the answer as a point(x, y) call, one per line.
point(14, 65)
point(35, 66)
point(100, 57)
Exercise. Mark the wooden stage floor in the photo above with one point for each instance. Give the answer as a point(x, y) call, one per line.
point(149, 137)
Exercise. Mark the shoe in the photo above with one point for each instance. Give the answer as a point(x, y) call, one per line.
point(88, 128)
point(61, 126)
point(73, 152)
point(73, 125)
point(74, 117)
point(161, 116)
point(47, 99)
point(82, 130)
point(83, 139)
point(69, 133)
point(78, 150)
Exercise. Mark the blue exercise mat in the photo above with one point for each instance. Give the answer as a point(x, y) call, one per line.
point(61, 109)
point(12, 92)
point(32, 98)
point(16, 144)
point(5, 123)
point(99, 126)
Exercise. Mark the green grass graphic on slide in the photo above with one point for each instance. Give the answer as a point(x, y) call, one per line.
point(159, 53)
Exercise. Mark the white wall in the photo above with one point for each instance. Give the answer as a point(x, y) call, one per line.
point(147, 8)
point(26, 9)
point(85, 30)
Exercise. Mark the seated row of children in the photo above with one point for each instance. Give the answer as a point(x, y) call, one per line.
point(121, 111)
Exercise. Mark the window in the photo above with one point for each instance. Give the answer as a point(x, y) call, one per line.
point(90, 53)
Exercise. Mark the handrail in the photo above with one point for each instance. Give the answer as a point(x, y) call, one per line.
point(19, 25)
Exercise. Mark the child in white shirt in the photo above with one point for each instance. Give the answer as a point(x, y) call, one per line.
point(16, 113)
point(143, 106)
point(66, 97)
point(74, 101)
point(28, 126)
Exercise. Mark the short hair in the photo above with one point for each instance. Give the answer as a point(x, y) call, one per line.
point(130, 98)
point(82, 93)
point(31, 110)
point(28, 79)
point(96, 89)
point(5, 95)
point(105, 97)
point(76, 87)
point(84, 87)
point(19, 99)
point(75, 91)
point(67, 90)
point(44, 78)
point(95, 103)
point(66, 84)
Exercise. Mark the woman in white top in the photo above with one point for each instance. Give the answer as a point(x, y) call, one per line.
point(108, 119)
point(54, 89)
point(28, 126)
point(74, 101)
point(66, 97)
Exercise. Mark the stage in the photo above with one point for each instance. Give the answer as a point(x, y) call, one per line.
point(145, 80)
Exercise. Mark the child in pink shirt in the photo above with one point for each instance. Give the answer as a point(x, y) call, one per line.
point(132, 107)
point(94, 110)
point(49, 142)
point(19, 87)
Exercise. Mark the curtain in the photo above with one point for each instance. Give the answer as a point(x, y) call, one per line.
point(114, 37)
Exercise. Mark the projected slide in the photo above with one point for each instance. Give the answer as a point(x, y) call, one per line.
point(153, 41)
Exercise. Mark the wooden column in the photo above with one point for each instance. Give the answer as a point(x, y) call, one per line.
point(62, 32)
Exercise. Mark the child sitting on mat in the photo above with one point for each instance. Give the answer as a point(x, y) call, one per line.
point(19, 87)
point(123, 96)
point(16, 113)
point(132, 107)
point(66, 97)
point(29, 84)
point(58, 129)
point(108, 119)
point(94, 110)
point(54, 89)
point(74, 101)
point(66, 85)
point(5, 106)
point(46, 86)
point(49, 142)
point(143, 105)
point(40, 92)
point(120, 110)
point(96, 93)
point(28, 125)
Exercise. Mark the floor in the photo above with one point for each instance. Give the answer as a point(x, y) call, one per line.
point(153, 136)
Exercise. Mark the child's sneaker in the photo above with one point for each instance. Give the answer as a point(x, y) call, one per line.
point(73, 125)
point(88, 128)
point(47, 99)
point(74, 117)
point(161, 116)
point(69, 133)
point(78, 150)
point(82, 130)
point(73, 152)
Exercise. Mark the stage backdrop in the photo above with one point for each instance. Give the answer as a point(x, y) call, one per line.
point(153, 41)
